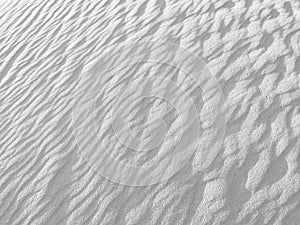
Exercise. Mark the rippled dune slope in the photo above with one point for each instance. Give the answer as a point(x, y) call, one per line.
point(48, 47)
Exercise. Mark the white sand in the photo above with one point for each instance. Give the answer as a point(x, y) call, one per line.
point(252, 47)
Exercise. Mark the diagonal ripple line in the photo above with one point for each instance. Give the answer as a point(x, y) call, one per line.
point(118, 90)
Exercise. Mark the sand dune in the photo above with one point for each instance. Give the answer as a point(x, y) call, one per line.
point(238, 132)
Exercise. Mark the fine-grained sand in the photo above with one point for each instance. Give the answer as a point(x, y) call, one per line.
point(48, 50)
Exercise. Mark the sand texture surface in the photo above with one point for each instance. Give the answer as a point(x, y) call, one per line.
point(235, 127)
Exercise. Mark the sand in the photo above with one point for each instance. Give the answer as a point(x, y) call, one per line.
point(220, 124)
